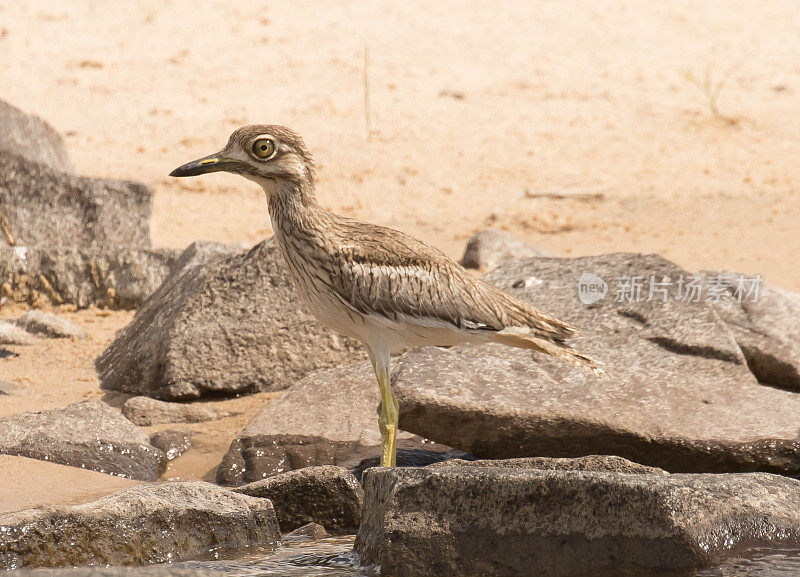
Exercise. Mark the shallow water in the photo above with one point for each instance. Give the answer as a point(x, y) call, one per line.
point(333, 557)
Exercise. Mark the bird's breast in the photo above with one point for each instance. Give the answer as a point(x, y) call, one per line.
point(309, 266)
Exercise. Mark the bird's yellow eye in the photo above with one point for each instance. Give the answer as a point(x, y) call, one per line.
point(263, 148)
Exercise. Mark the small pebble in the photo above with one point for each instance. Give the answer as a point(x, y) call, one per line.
point(308, 531)
point(7, 388)
point(11, 334)
point(173, 442)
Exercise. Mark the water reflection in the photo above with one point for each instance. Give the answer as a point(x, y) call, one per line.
point(761, 563)
point(333, 557)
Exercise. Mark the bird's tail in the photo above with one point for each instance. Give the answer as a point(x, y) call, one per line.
point(527, 339)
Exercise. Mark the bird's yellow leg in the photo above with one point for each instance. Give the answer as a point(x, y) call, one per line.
point(390, 414)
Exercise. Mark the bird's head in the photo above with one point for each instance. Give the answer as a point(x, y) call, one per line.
point(262, 153)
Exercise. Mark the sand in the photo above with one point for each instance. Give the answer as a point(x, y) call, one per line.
point(21, 487)
point(476, 110)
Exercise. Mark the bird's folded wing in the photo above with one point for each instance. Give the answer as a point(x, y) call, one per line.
point(415, 282)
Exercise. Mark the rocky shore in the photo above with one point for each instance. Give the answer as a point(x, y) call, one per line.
point(511, 463)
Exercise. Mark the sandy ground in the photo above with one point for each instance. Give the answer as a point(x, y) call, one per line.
point(475, 111)
point(55, 372)
point(64, 485)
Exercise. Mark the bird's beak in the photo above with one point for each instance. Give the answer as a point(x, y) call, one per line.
point(211, 163)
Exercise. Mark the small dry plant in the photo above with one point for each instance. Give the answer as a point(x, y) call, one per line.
point(712, 88)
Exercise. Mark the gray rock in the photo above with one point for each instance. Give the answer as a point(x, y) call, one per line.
point(45, 208)
point(11, 334)
point(766, 323)
point(490, 248)
point(115, 278)
point(679, 394)
point(173, 442)
point(89, 434)
point(49, 325)
point(328, 418)
point(330, 496)
point(32, 138)
point(223, 324)
point(508, 521)
point(144, 411)
point(144, 524)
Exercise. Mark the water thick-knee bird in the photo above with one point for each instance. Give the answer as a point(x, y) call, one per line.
point(378, 285)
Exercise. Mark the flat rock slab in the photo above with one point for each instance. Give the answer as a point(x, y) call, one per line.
point(679, 394)
point(46, 208)
point(225, 322)
point(114, 278)
point(608, 463)
point(49, 325)
point(509, 521)
point(327, 495)
point(490, 248)
point(328, 418)
point(89, 434)
point(32, 138)
point(144, 524)
point(144, 411)
point(31, 482)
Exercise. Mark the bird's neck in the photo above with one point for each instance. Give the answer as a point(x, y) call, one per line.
point(293, 208)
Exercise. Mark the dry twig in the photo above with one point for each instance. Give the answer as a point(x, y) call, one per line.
point(365, 85)
point(565, 194)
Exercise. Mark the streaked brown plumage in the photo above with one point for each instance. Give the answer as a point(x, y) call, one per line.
point(379, 285)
